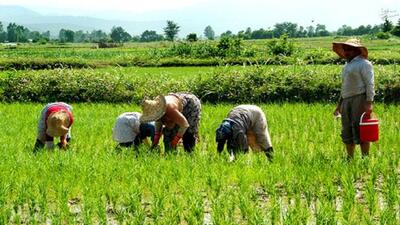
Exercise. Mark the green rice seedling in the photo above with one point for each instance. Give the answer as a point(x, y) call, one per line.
point(348, 197)
point(91, 182)
point(326, 212)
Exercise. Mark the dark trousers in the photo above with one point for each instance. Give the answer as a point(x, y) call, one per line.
point(188, 139)
point(138, 140)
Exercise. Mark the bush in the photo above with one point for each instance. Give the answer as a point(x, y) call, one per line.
point(281, 46)
point(109, 44)
point(230, 47)
point(383, 35)
point(396, 31)
point(274, 84)
point(226, 47)
point(192, 37)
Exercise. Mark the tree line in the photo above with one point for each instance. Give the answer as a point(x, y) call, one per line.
point(18, 33)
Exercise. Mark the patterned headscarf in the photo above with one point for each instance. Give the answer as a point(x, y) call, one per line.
point(224, 131)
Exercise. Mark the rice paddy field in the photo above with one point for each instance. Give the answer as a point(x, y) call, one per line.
point(309, 181)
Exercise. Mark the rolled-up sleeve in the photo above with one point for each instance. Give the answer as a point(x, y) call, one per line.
point(367, 74)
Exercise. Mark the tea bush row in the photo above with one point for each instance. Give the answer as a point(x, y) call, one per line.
point(194, 55)
point(256, 84)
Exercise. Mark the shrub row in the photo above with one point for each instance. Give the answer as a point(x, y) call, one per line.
point(309, 58)
point(274, 84)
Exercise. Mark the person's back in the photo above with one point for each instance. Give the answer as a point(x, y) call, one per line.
point(55, 121)
point(357, 77)
point(245, 125)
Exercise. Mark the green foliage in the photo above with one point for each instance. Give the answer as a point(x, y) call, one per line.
point(387, 25)
point(383, 35)
point(118, 34)
point(192, 37)
point(230, 47)
point(282, 46)
point(308, 182)
point(271, 84)
point(66, 35)
point(202, 53)
point(171, 30)
point(227, 47)
point(150, 35)
point(396, 29)
point(209, 33)
point(66, 85)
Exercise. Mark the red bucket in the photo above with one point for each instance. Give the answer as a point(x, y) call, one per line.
point(369, 128)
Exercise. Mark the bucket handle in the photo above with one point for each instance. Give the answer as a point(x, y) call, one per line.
point(368, 123)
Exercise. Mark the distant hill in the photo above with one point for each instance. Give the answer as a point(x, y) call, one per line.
point(35, 21)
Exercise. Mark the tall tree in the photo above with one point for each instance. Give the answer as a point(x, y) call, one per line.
point(12, 32)
point(386, 14)
point(81, 36)
point(118, 34)
point(209, 33)
point(3, 34)
point(46, 35)
point(285, 28)
point(171, 30)
point(227, 33)
point(310, 31)
point(320, 30)
point(396, 29)
point(66, 35)
point(150, 35)
point(97, 36)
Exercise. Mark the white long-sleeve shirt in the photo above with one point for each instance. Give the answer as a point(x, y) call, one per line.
point(358, 78)
point(127, 127)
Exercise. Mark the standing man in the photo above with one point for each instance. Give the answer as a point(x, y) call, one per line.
point(245, 125)
point(357, 92)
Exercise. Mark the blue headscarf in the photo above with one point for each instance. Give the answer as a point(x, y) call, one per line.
point(224, 131)
point(147, 130)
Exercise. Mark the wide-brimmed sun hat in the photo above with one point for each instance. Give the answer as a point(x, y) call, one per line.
point(353, 42)
point(153, 110)
point(58, 124)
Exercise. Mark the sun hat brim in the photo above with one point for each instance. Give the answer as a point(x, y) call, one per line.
point(337, 47)
point(153, 110)
point(57, 124)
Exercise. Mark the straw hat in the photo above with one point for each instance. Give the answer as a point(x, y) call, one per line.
point(353, 42)
point(57, 124)
point(153, 110)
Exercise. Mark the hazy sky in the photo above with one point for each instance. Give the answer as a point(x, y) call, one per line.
point(224, 13)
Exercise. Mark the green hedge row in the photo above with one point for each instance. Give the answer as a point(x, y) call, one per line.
point(310, 58)
point(256, 84)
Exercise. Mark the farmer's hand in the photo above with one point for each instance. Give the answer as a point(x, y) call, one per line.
point(175, 141)
point(63, 144)
point(156, 139)
point(368, 107)
point(337, 112)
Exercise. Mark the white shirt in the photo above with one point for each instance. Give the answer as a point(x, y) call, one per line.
point(127, 127)
point(358, 78)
